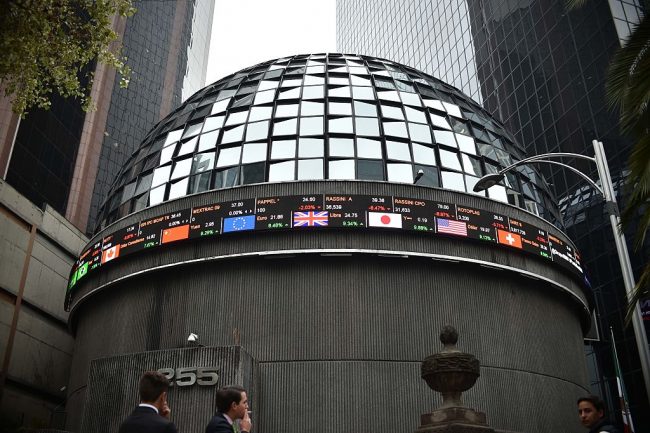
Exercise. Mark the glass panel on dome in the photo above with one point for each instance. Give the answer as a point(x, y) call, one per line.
point(390, 95)
point(253, 152)
point(359, 70)
point(227, 178)
point(128, 191)
point(257, 131)
point(282, 149)
point(341, 147)
point(268, 84)
point(339, 92)
point(365, 93)
point(313, 92)
point(414, 115)
point(203, 162)
point(430, 176)
point(419, 132)
point(466, 144)
point(308, 108)
point(472, 165)
point(344, 108)
point(367, 126)
point(370, 170)
point(338, 81)
point(167, 153)
point(342, 125)
point(392, 112)
point(173, 137)
point(178, 189)
point(410, 98)
point(400, 173)
point(445, 137)
point(293, 82)
point(367, 148)
point(435, 104)
point(233, 135)
point(285, 127)
point(208, 141)
point(287, 110)
point(452, 109)
point(237, 118)
point(253, 173)
point(360, 81)
point(450, 160)
point(281, 171)
point(341, 169)
point(311, 126)
point(182, 168)
point(144, 183)
point(229, 156)
point(188, 146)
point(264, 97)
point(315, 69)
point(220, 107)
point(364, 109)
point(439, 121)
point(157, 195)
point(396, 129)
point(260, 113)
point(451, 180)
point(161, 175)
point(398, 150)
point(498, 192)
point(310, 147)
point(470, 181)
point(312, 80)
point(212, 123)
point(290, 94)
point(310, 169)
point(423, 154)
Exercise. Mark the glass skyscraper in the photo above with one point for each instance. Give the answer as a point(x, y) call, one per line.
point(542, 71)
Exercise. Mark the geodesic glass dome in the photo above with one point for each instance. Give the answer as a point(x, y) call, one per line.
point(324, 116)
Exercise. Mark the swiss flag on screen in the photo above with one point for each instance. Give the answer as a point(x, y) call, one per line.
point(110, 253)
point(508, 238)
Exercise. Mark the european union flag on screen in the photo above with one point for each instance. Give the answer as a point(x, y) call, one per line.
point(238, 224)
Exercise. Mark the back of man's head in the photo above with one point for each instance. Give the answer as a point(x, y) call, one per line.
point(152, 384)
point(228, 395)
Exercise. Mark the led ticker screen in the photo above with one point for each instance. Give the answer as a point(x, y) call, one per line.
point(317, 212)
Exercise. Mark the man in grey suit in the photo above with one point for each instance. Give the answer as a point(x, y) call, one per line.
point(152, 414)
point(232, 412)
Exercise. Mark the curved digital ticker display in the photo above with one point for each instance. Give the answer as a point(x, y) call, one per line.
point(321, 212)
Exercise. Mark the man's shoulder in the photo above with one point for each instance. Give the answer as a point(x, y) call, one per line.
point(146, 420)
point(218, 424)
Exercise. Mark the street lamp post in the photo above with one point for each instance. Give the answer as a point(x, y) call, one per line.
point(607, 192)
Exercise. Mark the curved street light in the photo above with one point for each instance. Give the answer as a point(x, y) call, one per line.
point(607, 192)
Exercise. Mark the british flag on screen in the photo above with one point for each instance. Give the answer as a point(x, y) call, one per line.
point(311, 219)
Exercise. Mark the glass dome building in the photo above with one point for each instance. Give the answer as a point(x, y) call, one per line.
point(325, 116)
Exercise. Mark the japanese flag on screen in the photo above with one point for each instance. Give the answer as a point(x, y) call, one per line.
point(110, 253)
point(384, 219)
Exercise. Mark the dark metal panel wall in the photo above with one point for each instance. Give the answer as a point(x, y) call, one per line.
point(113, 385)
point(354, 311)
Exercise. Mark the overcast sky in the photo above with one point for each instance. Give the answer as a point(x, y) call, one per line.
point(247, 32)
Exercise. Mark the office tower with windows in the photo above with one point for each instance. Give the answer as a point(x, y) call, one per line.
point(541, 70)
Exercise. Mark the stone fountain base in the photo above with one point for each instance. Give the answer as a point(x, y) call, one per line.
point(454, 420)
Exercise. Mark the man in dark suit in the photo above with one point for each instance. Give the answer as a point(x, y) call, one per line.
point(152, 414)
point(232, 412)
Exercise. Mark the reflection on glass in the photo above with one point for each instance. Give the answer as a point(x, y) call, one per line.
point(173, 137)
point(423, 154)
point(498, 192)
point(341, 169)
point(439, 121)
point(396, 129)
point(310, 147)
point(161, 175)
point(167, 153)
point(466, 144)
point(360, 81)
point(435, 104)
point(344, 108)
point(400, 173)
point(342, 125)
point(390, 95)
point(212, 123)
point(367, 148)
point(285, 127)
point(364, 109)
point(203, 162)
point(229, 156)
point(192, 130)
point(430, 176)
point(420, 133)
point(157, 195)
point(450, 160)
point(472, 165)
point(410, 98)
point(451, 180)
point(445, 137)
point(341, 147)
point(414, 115)
point(188, 146)
point(312, 108)
point(392, 112)
point(290, 94)
point(290, 110)
point(338, 81)
point(264, 97)
point(144, 183)
point(266, 85)
point(367, 126)
point(227, 178)
point(311, 125)
point(363, 93)
point(282, 149)
point(339, 92)
point(199, 183)
point(178, 189)
point(252, 173)
point(257, 131)
point(311, 80)
point(253, 152)
point(220, 107)
point(310, 169)
point(398, 150)
point(292, 82)
point(182, 168)
point(313, 92)
point(232, 135)
point(281, 171)
point(470, 181)
point(370, 170)
point(260, 113)
point(237, 118)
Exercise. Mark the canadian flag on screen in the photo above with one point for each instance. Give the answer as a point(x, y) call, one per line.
point(384, 219)
point(110, 253)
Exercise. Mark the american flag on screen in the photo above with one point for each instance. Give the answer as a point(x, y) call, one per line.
point(451, 227)
point(311, 219)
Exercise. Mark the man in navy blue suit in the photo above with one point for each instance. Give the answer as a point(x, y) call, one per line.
point(152, 414)
point(232, 412)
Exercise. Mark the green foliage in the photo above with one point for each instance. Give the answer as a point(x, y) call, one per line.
point(48, 45)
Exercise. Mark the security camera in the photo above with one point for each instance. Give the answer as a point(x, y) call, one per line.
point(192, 338)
